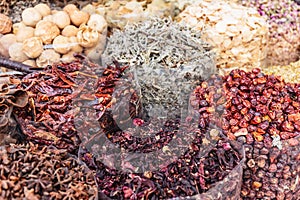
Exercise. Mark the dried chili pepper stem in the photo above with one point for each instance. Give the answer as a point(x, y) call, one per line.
point(14, 65)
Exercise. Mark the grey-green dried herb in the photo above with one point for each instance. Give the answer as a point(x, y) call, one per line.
point(166, 61)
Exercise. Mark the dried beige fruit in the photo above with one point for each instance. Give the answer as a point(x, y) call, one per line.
point(97, 22)
point(79, 17)
point(47, 31)
point(5, 41)
point(16, 52)
point(69, 31)
point(5, 24)
point(24, 32)
point(48, 57)
point(87, 37)
point(75, 47)
point(31, 17)
point(43, 9)
point(61, 44)
point(69, 57)
point(33, 47)
point(70, 8)
point(94, 53)
point(30, 62)
point(61, 19)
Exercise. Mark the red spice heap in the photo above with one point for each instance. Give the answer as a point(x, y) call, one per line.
point(263, 112)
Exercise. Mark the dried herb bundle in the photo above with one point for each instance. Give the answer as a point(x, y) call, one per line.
point(39, 172)
point(262, 112)
point(166, 61)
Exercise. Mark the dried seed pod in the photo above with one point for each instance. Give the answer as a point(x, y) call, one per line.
point(33, 47)
point(47, 31)
point(43, 9)
point(61, 19)
point(5, 42)
point(16, 52)
point(69, 31)
point(31, 17)
point(24, 32)
point(5, 24)
point(79, 17)
point(87, 37)
point(61, 44)
point(48, 57)
point(97, 22)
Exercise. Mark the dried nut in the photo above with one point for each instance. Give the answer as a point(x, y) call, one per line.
point(5, 42)
point(94, 53)
point(43, 9)
point(97, 22)
point(87, 37)
point(70, 8)
point(79, 17)
point(61, 19)
point(31, 17)
point(24, 32)
point(69, 57)
point(47, 57)
point(5, 24)
point(61, 44)
point(47, 31)
point(75, 47)
point(33, 47)
point(30, 62)
point(16, 52)
point(69, 31)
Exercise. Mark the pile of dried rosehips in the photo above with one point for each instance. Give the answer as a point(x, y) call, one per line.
point(262, 112)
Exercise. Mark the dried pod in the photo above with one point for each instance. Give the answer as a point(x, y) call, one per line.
point(87, 37)
point(33, 47)
point(61, 19)
point(31, 17)
point(61, 44)
point(47, 31)
point(69, 31)
point(48, 57)
point(79, 17)
point(5, 24)
point(5, 42)
point(16, 52)
point(97, 22)
point(43, 9)
point(24, 32)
